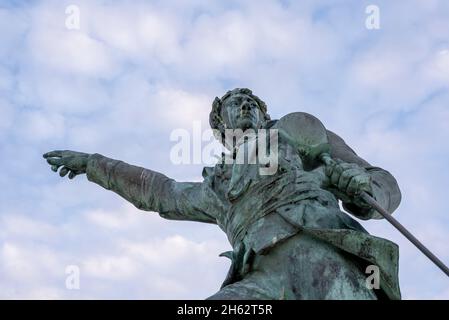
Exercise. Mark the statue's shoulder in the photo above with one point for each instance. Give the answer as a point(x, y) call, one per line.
point(300, 124)
point(293, 119)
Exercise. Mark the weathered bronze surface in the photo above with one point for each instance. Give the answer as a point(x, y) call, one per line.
point(289, 237)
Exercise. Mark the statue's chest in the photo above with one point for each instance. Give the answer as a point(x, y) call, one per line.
point(232, 180)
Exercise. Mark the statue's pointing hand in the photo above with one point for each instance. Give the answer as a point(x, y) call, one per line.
point(70, 162)
point(350, 180)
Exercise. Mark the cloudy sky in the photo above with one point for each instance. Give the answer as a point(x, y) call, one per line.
point(131, 74)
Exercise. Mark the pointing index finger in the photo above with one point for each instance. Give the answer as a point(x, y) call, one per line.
point(55, 153)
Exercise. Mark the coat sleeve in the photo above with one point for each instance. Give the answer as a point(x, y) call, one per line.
point(385, 187)
point(152, 191)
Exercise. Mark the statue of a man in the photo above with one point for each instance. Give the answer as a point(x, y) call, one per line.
point(289, 237)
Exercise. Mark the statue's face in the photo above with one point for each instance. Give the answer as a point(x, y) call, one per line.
point(240, 111)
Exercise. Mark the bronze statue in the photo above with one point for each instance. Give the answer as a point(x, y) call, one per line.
point(289, 237)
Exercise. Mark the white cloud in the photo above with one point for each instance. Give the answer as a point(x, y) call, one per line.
point(19, 225)
point(170, 251)
point(134, 73)
point(111, 248)
point(54, 47)
point(28, 264)
point(37, 126)
point(180, 109)
point(71, 52)
point(111, 267)
point(127, 218)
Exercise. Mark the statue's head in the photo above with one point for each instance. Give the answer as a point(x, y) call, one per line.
point(238, 109)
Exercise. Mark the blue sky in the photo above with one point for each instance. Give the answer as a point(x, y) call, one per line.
point(134, 73)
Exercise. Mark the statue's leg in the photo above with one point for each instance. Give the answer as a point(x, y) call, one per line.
point(302, 267)
point(309, 268)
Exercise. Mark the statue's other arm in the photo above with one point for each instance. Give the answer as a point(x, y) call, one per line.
point(146, 189)
point(384, 186)
point(150, 190)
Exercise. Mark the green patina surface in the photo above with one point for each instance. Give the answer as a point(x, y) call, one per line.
point(289, 237)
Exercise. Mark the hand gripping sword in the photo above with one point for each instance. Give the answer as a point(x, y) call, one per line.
point(309, 136)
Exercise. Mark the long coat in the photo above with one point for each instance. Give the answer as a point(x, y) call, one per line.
point(292, 216)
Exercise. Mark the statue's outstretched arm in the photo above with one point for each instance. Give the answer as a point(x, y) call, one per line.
point(146, 189)
point(384, 187)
